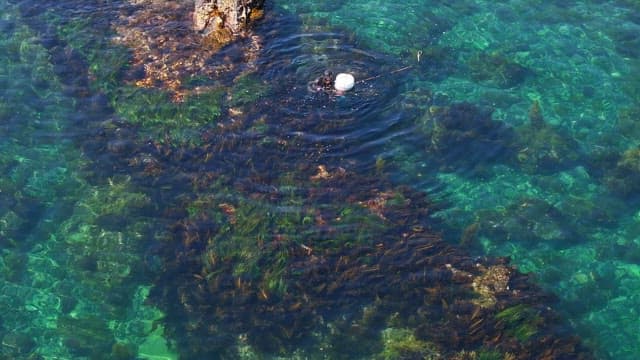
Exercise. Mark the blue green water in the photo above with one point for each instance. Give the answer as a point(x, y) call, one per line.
point(96, 178)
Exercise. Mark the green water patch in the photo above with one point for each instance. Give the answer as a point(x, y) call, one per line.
point(68, 266)
point(85, 35)
point(377, 24)
point(539, 58)
point(33, 152)
point(566, 191)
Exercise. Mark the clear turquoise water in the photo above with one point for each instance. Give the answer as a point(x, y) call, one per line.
point(78, 230)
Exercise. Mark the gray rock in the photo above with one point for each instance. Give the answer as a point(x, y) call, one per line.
point(211, 15)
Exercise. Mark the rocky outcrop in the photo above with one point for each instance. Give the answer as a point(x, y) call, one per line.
point(173, 41)
point(229, 17)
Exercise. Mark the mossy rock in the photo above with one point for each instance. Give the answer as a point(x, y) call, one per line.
point(463, 136)
point(624, 178)
point(402, 344)
point(545, 149)
point(628, 123)
point(532, 221)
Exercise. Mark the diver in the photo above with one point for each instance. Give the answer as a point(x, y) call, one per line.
point(343, 82)
point(322, 83)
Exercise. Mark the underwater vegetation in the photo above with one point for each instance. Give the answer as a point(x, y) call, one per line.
point(464, 136)
point(157, 115)
point(532, 220)
point(520, 321)
point(627, 121)
point(160, 78)
point(166, 51)
point(616, 166)
point(496, 69)
point(402, 344)
point(543, 148)
point(247, 88)
point(287, 257)
point(435, 62)
point(626, 41)
point(316, 284)
point(623, 178)
point(71, 239)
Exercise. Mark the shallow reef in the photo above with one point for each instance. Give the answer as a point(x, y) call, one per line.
point(622, 179)
point(496, 69)
point(543, 148)
point(465, 136)
point(166, 50)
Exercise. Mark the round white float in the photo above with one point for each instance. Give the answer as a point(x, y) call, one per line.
point(344, 82)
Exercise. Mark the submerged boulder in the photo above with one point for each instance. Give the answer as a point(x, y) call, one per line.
point(465, 136)
point(623, 179)
point(545, 148)
point(221, 21)
point(172, 43)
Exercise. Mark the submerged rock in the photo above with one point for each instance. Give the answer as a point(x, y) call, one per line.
point(498, 70)
point(624, 178)
point(463, 135)
point(532, 221)
point(174, 43)
point(17, 344)
point(545, 148)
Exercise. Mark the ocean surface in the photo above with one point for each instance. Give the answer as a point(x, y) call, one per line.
point(475, 196)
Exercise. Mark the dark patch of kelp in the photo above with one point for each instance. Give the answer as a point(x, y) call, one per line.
point(275, 246)
point(337, 273)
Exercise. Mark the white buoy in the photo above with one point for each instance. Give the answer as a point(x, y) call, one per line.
point(344, 82)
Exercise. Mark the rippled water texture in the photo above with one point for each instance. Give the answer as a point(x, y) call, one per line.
point(474, 196)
